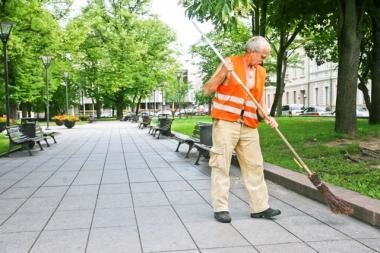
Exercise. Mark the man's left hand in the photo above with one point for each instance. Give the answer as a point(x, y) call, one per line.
point(271, 121)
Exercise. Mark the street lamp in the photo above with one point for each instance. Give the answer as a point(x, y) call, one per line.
point(66, 76)
point(5, 30)
point(154, 102)
point(162, 86)
point(46, 60)
point(179, 75)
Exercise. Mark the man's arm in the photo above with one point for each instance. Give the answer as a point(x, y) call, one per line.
point(219, 77)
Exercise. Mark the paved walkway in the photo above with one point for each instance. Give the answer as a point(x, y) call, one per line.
point(111, 187)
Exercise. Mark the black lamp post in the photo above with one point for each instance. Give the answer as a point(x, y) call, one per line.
point(5, 30)
point(66, 76)
point(162, 98)
point(154, 102)
point(46, 60)
point(179, 75)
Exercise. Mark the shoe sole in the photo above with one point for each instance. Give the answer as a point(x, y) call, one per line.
point(264, 216)
point(224, 221)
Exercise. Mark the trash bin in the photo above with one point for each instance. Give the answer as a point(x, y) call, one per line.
point(205, 134)
point(28, 126)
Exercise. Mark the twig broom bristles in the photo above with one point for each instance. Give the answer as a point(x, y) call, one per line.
point(336, 205)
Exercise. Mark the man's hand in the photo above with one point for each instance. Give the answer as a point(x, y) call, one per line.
point(271, 121)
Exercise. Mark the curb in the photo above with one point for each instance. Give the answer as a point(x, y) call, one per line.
point(365, 208)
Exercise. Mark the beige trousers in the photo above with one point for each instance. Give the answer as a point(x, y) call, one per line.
point(226, 137)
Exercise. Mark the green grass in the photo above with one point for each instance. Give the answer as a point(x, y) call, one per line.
point(320, 147)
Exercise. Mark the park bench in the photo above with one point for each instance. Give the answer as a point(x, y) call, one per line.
point(164, 127)
point(40, 132)
point(189, 140)
point(161, 119)
point(16, 137)
point(145, 122)
point(205, 143)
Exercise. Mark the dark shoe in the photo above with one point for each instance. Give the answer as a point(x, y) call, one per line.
point(223, 217)
point(267, 214)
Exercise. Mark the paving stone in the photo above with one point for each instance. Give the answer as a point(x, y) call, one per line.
point(114, 240)
point(61, 241)
point(61, 178)
point(35, 205)
point(114, 201)
point(114, 189)
point(25, 222)
point(309, 229)
point(140, 175)
point(185, 198)
point(372, 243)
point(246, 249)
point(201, 184)
point(174, 186)
point(166, 174)
point(83, 190)
point(17, 242)
point(114, 217)
point(18, 193)
point(115, 176)
point(213, 234)
point(150, 199)
point(88, 177)
point(161, 230)
point(50, 191)
point(77, 219)
point(286, 248)
point(77, 203)
point(343, 246)
point(145, 187)
point(8, 206)
point(261, 231)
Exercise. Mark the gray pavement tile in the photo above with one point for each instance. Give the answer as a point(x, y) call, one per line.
point(77, 219)
point(140, 175)
point(185, 198)
point(34, 179)
point(203, 184)
point(18, 193)
point(61, 241)
point(83, 190)
point(182, 251)
point(286, 248)
point(77, 203)
point(35, 205)
point(17, 242)
point(343, 246)
point(114, 240)
point(214, 234)
point(3, 217)
point(114, 217)
point(114, 188)
point(161, 230)
point(114, 201)
point(145, 187)
point(115, 176)
point(146, 199)
point(61, 178)
point(195, 213)
point(88, 177)
point(372, 243)
point(192, 174)
point(166, 174)
point(8, 206)
point(246, 249)
point(50, 191)
point(309, 229)
point(260, 231)
point(25, 222)
point(173, 186)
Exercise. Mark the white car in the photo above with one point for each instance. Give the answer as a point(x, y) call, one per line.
point(362, 112)
point(292, 109)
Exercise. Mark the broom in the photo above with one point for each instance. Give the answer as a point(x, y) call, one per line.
point(336, 204)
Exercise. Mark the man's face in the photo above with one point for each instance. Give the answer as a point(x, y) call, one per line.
point(257, 58)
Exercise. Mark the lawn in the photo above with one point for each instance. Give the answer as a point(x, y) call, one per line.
point(337, 159)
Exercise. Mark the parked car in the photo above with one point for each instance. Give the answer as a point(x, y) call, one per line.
point(292, 109)
point(317, 111)
point(362, 112)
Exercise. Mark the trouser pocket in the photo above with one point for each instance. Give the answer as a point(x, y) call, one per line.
point(217, 157)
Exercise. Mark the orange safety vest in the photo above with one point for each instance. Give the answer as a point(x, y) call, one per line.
point(230, 98)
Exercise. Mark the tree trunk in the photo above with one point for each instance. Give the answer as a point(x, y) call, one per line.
point(279, 68)
point(119, 105)
point(374, 116)
point(349, 38)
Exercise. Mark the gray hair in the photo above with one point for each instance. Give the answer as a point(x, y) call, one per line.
point(257, 44)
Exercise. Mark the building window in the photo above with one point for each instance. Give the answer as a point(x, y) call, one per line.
point(294, 97)
point(326, 95)
point(316, 97)
point(287, 97)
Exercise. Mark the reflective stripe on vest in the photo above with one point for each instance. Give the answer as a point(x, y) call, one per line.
point(227, 108)
point(229, 98)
